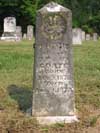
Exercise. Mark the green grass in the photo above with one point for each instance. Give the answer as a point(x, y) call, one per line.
point(87, 73)
point(16, 64)
point(16, 76)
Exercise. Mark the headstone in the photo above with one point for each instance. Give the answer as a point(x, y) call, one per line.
point(19, 33)
point(9, 24)
point(30, 32)
point(95, 36)
point(83, 35)
point(88, 37)
point(77, 36)
point(9, 29)
point(24, 36)
point(53, 93)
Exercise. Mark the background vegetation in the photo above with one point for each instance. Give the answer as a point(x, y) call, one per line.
point(86, 13)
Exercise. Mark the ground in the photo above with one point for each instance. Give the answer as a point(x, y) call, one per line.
point(16, 66)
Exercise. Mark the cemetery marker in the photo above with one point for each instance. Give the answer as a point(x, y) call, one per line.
point(53, 93)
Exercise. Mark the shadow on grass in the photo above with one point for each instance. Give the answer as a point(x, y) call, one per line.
point(22, 95)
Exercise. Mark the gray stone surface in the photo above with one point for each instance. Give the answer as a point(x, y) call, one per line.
point(10, 24)
point(9, 29)
point(29, 32)
point(24, 36)
point(88, 37)
point(53, 92)
point(83, 35)
point(19, 32)
point(95, 36)
point(77, 36)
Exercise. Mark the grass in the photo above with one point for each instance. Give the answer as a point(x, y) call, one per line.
point(16, 61)
point(87, 73)
point(16, 68)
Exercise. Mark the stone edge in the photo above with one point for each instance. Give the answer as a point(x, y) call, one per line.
point(56, 119)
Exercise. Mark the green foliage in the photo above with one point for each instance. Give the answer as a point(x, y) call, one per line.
point(88, 29)
point(29, 9)
point(93, 120)
point(94, 23)
point(85, 12)
point(9, 2)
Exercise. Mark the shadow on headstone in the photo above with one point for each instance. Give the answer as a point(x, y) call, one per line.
point(22, 95)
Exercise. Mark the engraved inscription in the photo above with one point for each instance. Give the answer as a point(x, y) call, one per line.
point(54, 26)
point(53, 68)
point(53, 93)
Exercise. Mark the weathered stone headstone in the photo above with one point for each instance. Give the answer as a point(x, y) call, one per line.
point(53, 93)
point(24, 36)
point(83, 35)
point(77, 36)
point(9, 29)
point(9, 24)
point(95, 36)
point(19, 33)
point(29, 32)
point(88, 37)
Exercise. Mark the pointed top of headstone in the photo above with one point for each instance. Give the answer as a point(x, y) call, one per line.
point(53, 7)
point(9, 18)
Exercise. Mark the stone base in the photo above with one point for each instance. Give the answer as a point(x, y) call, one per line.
point(77, 43)
point(9, 37)
point(56, 119)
